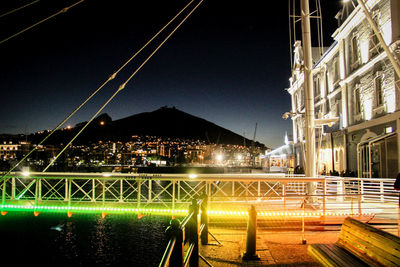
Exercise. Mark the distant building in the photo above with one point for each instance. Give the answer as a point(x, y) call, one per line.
point(8, 150)
point(355, 81)
point(280, 159)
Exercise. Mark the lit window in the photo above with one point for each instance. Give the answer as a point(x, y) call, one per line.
point(317, 88)
point(378, 90)
point(357, 100)
point(354, 52)
point(336, 69)
point(374, 46)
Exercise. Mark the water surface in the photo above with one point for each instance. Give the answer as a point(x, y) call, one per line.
point(53, 239)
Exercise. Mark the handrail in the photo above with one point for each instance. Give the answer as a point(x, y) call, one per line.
point(168, 252)
point(194, 227)
point(186, 220)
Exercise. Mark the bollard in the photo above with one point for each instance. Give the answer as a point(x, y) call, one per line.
point(178, 251)
point(250, 253)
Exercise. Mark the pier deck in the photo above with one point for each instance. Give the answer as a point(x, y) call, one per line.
point(274, 247)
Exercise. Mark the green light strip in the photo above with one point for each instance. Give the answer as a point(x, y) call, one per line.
point(90, 209)
point(166, 211)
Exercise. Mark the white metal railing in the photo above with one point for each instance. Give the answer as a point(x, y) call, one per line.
point(176, 191)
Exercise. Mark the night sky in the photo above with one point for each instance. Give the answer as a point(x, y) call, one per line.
point(229, 63)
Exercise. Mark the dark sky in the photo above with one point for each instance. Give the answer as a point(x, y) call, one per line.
point(229, 63)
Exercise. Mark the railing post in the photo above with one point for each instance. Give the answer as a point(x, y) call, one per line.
point(39, 183)
point(13, 188)
point(250, 253)
point(36, 192)
point(177, 254)
point(121, 190)
point(194, 228)
point(324, 197)
point(149, 191)
point(360, 195)
point(339, 190)
point(204, 220)
point(173, 194)
point(139, 192)
point(66, 189)
point(3, 195)
point(93, 190)
point(69, 192)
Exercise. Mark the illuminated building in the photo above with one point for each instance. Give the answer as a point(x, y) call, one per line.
point(280, 159)
point(8, 150)
point(355, 82)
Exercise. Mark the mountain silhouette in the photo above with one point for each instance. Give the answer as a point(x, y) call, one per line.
point(163, 122)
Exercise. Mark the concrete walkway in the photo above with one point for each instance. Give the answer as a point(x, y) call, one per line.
point(278, 243)
point(275, 248)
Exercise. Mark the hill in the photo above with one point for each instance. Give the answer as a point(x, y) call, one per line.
point(163, 122)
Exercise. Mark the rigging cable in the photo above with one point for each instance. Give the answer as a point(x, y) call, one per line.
point(65, 9)
point(290, 37)
point(19, 8)
point(111, 77)
point(122, 86)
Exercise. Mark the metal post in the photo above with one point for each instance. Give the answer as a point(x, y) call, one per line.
point(93, 190)
point(284, 195)
point(149, 191)
point(121, 190)
point(339, 194)
point(36, 192)
point(3, 197)
point(250, 253)
point(194, 234)
point(104, 193)
point(177, 254)
point(310, 169)
point(308, 90)
point(324, 197)
point(66, 190)
point(139, 192)
point(12, 188)
point(39, 183)
point(173, 194)
point(204, 220)
point(69, 192)
point(303, 238)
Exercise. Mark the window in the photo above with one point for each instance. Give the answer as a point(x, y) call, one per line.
point(374, 46)
point(357, 100)
point(327, 107)
point(317, 88)
point(327, 88)
point(378, 90)
point(336, 70)
point(354, 52)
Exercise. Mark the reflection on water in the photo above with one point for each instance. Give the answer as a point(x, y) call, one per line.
point(82, 240)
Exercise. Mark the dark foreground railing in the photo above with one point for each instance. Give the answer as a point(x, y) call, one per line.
point(187, 234)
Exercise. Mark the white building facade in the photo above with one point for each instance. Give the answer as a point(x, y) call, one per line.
point(354, 81)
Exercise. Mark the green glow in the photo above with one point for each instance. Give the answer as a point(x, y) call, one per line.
point(40, 208)
point(169, 212)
